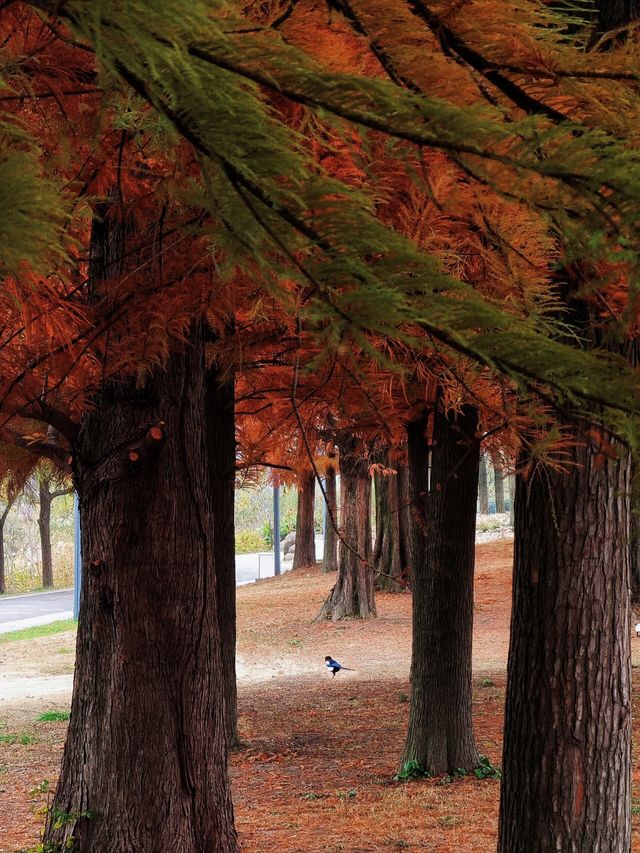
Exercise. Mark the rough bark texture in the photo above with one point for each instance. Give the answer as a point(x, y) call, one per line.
point(145, 754)
point(634, 555)
point(305, 550)
point(330, 553)
point(353, 594)
point(483, 487)
point(498, 481)
point(221, 445)
point(566, 762)
point(440, 733)
point(389, 551)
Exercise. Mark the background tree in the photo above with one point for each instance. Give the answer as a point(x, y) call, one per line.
point(46, 496)
point(305, 548)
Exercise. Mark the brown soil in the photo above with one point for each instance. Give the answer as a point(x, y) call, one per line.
point(316, 772)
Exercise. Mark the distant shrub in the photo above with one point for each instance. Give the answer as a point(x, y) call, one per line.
point(250, 541)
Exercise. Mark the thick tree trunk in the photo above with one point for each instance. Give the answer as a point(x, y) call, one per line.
point(440, 734)
point(44, 526)
point(353, 594)
point(498, 481)
point(221, 445)
point(566, 761)
point(330, 553)
point(389, 553)
point(144, 765)
point(305, 549)
point(483, 487)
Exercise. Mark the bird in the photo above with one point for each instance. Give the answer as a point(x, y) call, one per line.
point(333, 666)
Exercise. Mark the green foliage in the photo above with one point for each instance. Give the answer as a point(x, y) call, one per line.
point(54, 716)
point(202, 73)
point(486, 770)
point(411, 770)
point(249, 542)
point(23, 739)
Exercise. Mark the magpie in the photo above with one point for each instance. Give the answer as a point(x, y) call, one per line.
point(333, 666)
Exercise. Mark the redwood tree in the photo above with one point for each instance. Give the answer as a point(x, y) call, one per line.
point(440, 734)
point(46, 497)
point(330, 552)
point(305, 548)
point(353, 593)
point(390, 551)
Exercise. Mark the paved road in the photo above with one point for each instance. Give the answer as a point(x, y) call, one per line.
point(40, 608)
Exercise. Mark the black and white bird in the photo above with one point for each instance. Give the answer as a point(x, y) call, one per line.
point(333, 666)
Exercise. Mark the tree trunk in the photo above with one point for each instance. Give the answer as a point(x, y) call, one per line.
point(44, 526)
point(305, 548)
point(483, 487)
point(221, 445)
point(498, 480)
point(330, 554)
point(353, 593)
point(567, 741)
point(389, 553)
point(440, 734)
point(3, 518)
point(634, 552)
point(144, 765)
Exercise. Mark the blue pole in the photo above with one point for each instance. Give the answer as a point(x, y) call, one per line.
point(77, 557)
point(276, 530)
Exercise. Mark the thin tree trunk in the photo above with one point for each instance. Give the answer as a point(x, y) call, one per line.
point(330, 554)
point(498, 481)
point(353, 593)
point(144, 765)
point(634, 548)
point(3, 518)
point(305, 549)
point(440, 733)
point(44, 526)
point(388, 557)
point(220, 417)
point(483, 487)
point(567, 744)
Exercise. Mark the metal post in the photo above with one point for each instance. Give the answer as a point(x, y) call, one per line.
point(276, 530)
point(77, 557)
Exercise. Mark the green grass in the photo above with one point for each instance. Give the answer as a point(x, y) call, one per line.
point(39, 631)
point(23, 740)
point(53, 716)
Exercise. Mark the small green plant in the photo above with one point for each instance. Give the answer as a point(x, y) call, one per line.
point(487, 682)
point(346, 795)
point(486, 770)
point(459, 773)
point(411, 770)
point(23, 740)
point(53, 716)
point(313, 796)
point(41, 788)
point(296, 643)
point(250, 541)
point(403, 697)
point(61, 818)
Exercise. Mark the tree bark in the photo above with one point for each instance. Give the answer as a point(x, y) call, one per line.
point(389, 552)
point(44, 526)
point(221, 446)
point(440, 733)
point(3, 518)
point(634, 549)
point(483, 487)
point(144, 765)
point(305, 549)
point(567, 756)
point(353, 594)
point(498, 480)
point(330, 553)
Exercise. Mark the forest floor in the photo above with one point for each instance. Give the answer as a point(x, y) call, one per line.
point(316, 770)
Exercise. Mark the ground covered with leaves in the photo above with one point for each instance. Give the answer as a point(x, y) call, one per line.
point(316, 772)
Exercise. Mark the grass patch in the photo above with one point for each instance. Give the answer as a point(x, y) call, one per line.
point(53, 716)
point(23, 740)
point(39, 631)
